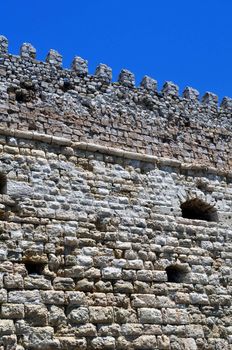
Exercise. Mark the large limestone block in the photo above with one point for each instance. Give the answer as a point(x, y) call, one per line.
point(150, 316)
point(101, 314)
point(6, 327)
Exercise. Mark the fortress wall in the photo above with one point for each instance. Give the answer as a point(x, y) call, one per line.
point(85, 242)
point(43, 97)
point(115, 210)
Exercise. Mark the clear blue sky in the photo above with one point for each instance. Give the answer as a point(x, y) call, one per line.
point(187, 42)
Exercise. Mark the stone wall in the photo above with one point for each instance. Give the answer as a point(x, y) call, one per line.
point(43, 97)
point(96, 248)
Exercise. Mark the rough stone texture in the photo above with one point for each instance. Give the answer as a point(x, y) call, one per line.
point(94, 250)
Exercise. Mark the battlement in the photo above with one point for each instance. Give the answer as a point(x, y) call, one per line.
point(79, 68)
point(115, 210)
point(45, 98)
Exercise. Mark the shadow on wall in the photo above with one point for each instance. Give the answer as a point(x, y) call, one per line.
point(197, 209)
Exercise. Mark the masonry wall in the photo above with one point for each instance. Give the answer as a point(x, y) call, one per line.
point(91, 220)
point(44, 98)
point(103, 231)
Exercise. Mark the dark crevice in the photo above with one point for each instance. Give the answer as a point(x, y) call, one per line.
point(34, 268)
point(176, 273)
point(196, 209)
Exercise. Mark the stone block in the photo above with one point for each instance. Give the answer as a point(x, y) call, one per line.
point(113, 330)
point(27, 51)
point(200, 299)
point(72, 343)
point(111, 273)
point(80, 66)
point(210, 98)
point(61, 283)
point(132, 329)
point(13, 281)
point(3, 45)
point(6, 327)
point(3, 296)
point(163, 342)
point(191, 94)
point(54, 58)
point(149, 83)
point(79, 315)
point(126, 78)
point(147, 342)
point(122, 315)
point(12, 311)
point(53, 297)
point(104, 72)
point(42, 337)
point(103, 343)
point(150, 315)
point(36, 315)
point(86, 330)
point(175, 316)
point(143, 300)
point(170, 88)
point(23, 297)
point(101, 314)
point(76, 298)
point(56, 316)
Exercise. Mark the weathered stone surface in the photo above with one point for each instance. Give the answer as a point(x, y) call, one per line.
point(54, 58)
point(80, 66)
point(79, 315)
point(115, 211)
point(27, 51)
point(6, 327)
point(12, 311)
point(104, 72)
point(153, 316)
point(101, 314)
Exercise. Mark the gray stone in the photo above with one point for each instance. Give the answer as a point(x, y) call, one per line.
point(210, 98)
point(170, 88)
point(27, 51)
point(6, 327)
point(54, 58)
point(80, 66)
point(3, 45)
point(150, 315)
point(101, 314)
point(104, 73)
point(79, 315)
point(149, 83)
point(126, 78)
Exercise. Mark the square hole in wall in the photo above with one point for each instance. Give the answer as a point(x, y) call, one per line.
point(34, 268)
point(3, 183)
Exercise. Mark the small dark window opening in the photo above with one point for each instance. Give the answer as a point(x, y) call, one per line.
point(3, 183)
point(176, 273)
point(66, 85)
point(197, 209)
point(34, 268)
point(101, 224)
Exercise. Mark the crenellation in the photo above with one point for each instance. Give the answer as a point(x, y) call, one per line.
point(149, 84)
point(210, 98)
point(170, 88)
point(104, 73)
point(27, 51)
point(226, 104)
point(191, 94)
point(3, 45)
point(54, 58)
point(126, 78)
point(115, 210)
point(80, 66)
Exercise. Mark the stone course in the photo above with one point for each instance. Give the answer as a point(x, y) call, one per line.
point(95, 251)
